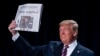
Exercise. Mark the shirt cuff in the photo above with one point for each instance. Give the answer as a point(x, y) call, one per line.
point(15, 37)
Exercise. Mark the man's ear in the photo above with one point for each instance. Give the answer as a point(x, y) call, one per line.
point(75, 33)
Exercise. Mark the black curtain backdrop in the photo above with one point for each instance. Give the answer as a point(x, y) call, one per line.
point(85, 12)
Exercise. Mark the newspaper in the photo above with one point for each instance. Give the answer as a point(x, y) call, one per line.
point(28, 17)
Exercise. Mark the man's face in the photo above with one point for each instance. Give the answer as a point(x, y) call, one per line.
point(67, 34)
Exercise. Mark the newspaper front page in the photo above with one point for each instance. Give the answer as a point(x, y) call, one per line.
point(28, 17)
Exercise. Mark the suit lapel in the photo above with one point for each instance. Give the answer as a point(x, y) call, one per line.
point(76, 51)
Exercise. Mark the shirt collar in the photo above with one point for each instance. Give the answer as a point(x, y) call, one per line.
point(74, 43)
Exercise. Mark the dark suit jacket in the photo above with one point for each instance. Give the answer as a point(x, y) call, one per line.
point(53, 48)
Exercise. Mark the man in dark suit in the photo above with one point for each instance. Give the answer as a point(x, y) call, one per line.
point(68, 30)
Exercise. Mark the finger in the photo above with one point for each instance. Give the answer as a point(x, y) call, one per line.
point(13, 22)
point(11, 27)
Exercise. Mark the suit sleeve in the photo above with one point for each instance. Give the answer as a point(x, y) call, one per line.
point(25, 49)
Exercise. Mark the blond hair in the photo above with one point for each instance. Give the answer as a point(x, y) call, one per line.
point(70, 22)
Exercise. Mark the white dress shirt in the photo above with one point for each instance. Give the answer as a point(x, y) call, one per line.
point(15, 37)
point(71, 47)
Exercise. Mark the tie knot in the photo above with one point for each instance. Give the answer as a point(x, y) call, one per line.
point(66, 46)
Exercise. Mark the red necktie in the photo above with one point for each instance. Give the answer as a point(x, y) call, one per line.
point(64, 51)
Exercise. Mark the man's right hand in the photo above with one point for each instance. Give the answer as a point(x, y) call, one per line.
point(11, 27)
